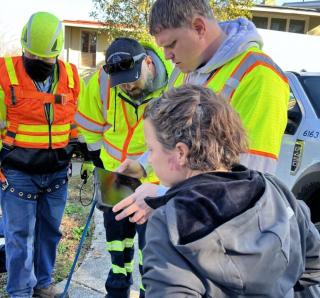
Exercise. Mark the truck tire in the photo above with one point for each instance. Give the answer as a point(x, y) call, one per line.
point(312, 292)
point(311, 195)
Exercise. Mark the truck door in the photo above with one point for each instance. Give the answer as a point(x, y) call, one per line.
point(291, 148)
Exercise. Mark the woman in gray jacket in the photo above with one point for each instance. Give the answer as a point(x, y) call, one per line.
point(221, 230)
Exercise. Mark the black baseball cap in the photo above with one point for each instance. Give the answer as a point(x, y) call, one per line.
point(123, 48)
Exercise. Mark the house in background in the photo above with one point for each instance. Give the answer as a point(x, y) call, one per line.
point(295, 17)
point(291, 35)
point(83, 47)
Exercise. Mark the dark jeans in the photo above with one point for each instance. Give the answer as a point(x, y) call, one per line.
point(32, 210)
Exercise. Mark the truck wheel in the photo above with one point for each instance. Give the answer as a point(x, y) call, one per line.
point(312, 292)
point(311, 195)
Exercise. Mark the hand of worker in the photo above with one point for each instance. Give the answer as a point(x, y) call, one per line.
point(136, 204)
point(86, 171)
point(131, 168)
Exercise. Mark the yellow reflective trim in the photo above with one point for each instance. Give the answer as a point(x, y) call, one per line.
point(120, 245)
point(57, 128)
point(43, 128)
point(142, 287)
point(32, 139)
point(41, 139)
point(118, 270)
point(129, 266)
point(11, 71)
point(70, 74)
point(140, 257)
point(58, 139)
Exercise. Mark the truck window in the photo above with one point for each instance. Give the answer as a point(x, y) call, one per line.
point(294, 115)
point(311, 85)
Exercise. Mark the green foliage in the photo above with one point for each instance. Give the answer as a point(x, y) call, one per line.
point(124, 18)
point(73, 209)
point(129, 18)
point(61, 249)
point(77, 232)
point(225, 10)
point(61, 270)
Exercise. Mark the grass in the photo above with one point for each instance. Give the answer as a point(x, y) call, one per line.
point(72, 226)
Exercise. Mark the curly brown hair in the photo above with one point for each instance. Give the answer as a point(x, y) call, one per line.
point(201, 119)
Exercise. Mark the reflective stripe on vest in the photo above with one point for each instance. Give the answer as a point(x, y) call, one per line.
point(259, 162)
point(94, 146)
point(104, 92)
point(89, 124)
point(70, 75)
point(174, 76)
point(118, 154)
point(11, 71)
point(249, 62)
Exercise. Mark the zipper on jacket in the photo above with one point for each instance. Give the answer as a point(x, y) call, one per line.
point(136, 106)
point(46, 108)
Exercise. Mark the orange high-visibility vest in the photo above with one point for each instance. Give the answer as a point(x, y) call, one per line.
point(28, 124)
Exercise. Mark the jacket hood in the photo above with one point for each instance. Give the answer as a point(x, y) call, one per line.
point(241, 35)
point(254, 237)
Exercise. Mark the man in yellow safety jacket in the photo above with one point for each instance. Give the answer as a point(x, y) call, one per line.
point(110, 116)
point(38, 100)
point(226, 57)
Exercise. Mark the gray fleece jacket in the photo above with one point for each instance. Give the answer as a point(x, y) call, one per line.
point(236, 234)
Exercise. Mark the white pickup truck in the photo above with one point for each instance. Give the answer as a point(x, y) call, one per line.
point(299, 158)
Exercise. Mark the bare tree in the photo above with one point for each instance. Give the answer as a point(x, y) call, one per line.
point(8, 42)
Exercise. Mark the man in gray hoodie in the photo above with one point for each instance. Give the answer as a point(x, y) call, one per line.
point(227, 58)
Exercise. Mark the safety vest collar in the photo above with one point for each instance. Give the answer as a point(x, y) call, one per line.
point(14, 78)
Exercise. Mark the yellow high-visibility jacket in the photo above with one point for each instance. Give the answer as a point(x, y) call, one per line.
point(259, 91)
point(112, 122)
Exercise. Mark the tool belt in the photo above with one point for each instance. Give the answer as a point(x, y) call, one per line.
point(27, 195)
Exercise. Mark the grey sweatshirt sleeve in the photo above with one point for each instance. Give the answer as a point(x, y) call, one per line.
point(166, 272)
point(311, 275)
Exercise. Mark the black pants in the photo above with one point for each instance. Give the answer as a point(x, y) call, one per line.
point(120, 244)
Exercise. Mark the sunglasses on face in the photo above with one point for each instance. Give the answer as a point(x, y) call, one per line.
point(124, 64)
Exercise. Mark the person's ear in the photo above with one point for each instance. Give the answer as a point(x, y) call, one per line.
point(199, 26)
point(148, 61)
point(182, 152)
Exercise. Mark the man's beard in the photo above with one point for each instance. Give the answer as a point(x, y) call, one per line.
point(140, 96)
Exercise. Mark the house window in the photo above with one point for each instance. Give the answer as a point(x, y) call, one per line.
point(88, 49)
point(297, 26)
point(260, 22)
point(278, 24)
